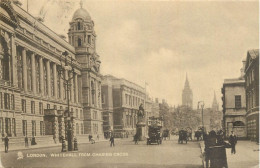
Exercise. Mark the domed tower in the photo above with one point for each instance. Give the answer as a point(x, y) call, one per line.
point(82, 36)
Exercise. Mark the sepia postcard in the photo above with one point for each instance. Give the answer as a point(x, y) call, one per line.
point(129, 83)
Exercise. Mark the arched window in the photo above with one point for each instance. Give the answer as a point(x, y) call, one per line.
point(238, 123)
point(4, 60)
point(93, 92)
point(79, 42)
point(79, 27)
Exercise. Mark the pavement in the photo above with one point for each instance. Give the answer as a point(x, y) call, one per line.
point(247, 155)
point(42, 145)
point(125, 154)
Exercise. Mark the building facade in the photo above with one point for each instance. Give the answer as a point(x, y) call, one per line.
point(32, 91)
point(234, 106)
point(127, 97)
point(252, 94)
point(187, 95)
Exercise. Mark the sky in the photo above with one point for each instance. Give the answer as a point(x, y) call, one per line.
point(158, 42)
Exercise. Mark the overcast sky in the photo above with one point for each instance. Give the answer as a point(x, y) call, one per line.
point(158, 42)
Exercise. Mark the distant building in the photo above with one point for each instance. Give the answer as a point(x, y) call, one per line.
point(234, 106)
point(187, 96)
point(126, 98)
point(252, 94)
point(107, 105)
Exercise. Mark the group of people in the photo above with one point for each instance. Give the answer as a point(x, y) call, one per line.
point(215, 152)
point(26, 140)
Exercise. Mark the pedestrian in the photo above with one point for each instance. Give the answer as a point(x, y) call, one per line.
point(26, 141)
point(233, 142)
point(136, 139)
point(112, 141)
point(6, 139)
point(89, 137)
point(97, 137)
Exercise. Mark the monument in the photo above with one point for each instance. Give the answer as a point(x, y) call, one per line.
point(140, 126)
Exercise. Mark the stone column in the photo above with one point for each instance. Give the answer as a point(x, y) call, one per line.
point(41, 76)
point(55, 80)
point(24, 69)
point(71, 88)
point(33, 73)
point(48, 78)
point(61, 87)
point(66, 77)
point(14, 62)
point(76, 88)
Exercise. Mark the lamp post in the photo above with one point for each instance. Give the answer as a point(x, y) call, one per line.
point(67, 82)
point(201, 103)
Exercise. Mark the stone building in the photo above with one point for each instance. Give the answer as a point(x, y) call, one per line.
point(252, 94)
point(234, 106)
point(187, 96)
point(32, 91)
point(126, 99)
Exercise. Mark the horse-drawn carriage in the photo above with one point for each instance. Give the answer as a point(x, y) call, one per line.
point(183, 136)
point(166, 134)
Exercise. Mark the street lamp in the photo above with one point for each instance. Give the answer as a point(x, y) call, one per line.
point(201, 103)
point(67, 81)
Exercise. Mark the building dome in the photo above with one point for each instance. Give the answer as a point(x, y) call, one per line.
point(81, 14)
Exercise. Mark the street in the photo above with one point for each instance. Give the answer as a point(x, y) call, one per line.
point(124, 154)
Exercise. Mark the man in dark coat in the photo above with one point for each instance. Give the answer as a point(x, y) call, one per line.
point(6, 139)
point(233, 142)
point(112, 141)
point(26, 141)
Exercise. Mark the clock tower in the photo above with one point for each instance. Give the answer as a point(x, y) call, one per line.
point(82, 37)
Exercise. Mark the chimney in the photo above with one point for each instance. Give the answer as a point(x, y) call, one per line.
point(242, 70)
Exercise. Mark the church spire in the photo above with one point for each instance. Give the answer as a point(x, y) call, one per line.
point(187, 96)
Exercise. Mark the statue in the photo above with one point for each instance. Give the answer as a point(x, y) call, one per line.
point(141, 114)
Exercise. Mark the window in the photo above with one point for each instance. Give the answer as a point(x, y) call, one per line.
point(89, 39)
point(93, 92)
point(41, 128)
point(81, 129)
point(77, 113)
point(5, 60)
point(238, 101)
point(79, 42)
point(33, 128)
point(23, 106)
point(45, 85)
point(79, 27)
point(24, 127)
point(12, 102)
point(6, 101)
point(40, 108)
point(32, 107)
point(102, 98)
point(81, 114)
point(29, 73)
point(19, 68)
point(126, 99)
point(48, 106)
point(55, 107)
point(13, 127)
point(37, 69)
